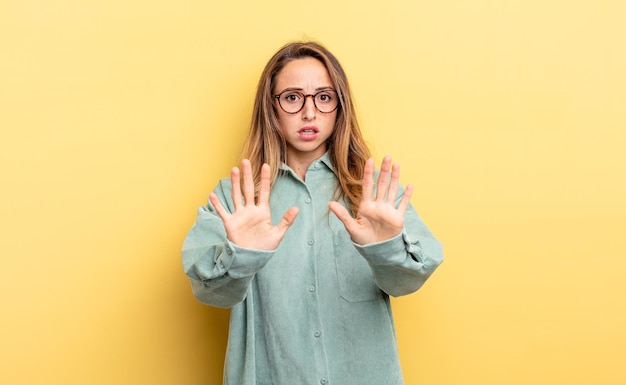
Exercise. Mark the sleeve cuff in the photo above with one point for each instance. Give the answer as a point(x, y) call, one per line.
point(389, 252)
point(241, 262)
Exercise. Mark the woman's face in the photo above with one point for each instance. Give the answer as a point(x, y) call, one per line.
point(307, 130)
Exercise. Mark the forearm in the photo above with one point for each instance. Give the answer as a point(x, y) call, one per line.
point(401, 265)
point(220, 272)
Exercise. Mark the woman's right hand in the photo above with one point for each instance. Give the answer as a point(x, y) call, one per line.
point(250, 224)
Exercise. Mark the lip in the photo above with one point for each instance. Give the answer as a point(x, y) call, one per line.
point(308, 133)
point(309, 128)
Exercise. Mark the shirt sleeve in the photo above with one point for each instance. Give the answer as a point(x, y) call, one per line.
point(401, 265)
point(220, 271)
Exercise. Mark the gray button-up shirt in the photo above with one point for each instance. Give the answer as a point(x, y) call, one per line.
point(316, 310)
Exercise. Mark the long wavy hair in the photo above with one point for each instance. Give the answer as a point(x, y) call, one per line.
point(346, 147)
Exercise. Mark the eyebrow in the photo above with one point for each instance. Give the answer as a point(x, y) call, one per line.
point(318, 89)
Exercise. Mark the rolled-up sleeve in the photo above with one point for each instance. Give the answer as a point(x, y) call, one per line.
point(220, 271)
point(401, 265)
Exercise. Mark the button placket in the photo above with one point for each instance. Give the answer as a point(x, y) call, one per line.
point(308, 207)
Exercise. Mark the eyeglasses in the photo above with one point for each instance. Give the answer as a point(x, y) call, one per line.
point(325, 101)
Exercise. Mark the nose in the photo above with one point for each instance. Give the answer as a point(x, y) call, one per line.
point(308, 111)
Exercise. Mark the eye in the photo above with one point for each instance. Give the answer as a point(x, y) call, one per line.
point(292, 97)
point(325, 97)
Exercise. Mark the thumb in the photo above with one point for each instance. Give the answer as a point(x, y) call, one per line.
point(288, 219)
point(341, 213)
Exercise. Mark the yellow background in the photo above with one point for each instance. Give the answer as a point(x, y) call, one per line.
point(118, 117)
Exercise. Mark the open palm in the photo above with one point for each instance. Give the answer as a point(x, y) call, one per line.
point(377, 218)
point(250, 223)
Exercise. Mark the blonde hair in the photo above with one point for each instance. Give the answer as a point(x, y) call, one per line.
point(346, 146)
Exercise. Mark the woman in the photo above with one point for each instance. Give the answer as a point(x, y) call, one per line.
point(307, 241)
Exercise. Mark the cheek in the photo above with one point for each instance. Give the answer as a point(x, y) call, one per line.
point(284, 121)
point(332, 121)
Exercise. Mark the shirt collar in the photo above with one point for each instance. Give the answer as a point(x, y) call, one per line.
point(324, 159)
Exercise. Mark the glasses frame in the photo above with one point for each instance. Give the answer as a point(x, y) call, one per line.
point(305, 96)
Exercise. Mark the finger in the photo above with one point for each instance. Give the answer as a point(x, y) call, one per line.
point(383, 179)
point(264, 191)
point(393, 185)
point(406, 199)
point(343, 214)
point(368, 179)
point(288, 219)
point(248, 183)
point(235, 182)
point(219, 208)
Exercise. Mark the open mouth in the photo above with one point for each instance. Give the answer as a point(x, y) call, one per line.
point(308, 133)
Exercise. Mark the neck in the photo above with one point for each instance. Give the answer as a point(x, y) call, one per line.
point(300, 162)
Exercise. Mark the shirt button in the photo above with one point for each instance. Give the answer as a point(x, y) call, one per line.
point(317, 333)
point(310, 242)
point(317, 165)
point(323, 381)
point(308, 200)
point(228, 250)
point(312, 288)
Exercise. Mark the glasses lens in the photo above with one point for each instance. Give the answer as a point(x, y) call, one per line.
point(291, 101)
point(326, 101)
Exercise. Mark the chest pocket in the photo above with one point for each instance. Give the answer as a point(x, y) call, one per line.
point(356, 282)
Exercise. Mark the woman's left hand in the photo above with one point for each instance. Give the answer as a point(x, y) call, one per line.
point(377, 219)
